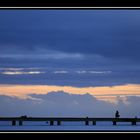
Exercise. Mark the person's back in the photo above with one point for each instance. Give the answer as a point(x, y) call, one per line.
point(117, 115)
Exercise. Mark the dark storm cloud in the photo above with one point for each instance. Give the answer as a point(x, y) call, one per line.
point(100, 40)
point(107, 33)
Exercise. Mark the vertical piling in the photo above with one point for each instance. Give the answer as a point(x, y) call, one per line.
point(13, 122)
point(133, 122)
point(94, 122)
point(20, 122)
point(114, 123)
point(51, 122)
point(58, 122)
point(86, 122)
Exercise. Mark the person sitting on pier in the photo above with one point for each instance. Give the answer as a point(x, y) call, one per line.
point(24, 117)
point(117, 115)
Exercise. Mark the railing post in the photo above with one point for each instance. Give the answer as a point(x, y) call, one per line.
point(51, 122)
point(114, 123)
point(13, 122)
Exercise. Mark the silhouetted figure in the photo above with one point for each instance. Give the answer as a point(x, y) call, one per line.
point(24, 117)
point(117, 115)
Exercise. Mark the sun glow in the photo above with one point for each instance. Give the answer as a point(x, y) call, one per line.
point(103, 93)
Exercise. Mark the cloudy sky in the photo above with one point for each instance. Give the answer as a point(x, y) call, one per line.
point(69, 62)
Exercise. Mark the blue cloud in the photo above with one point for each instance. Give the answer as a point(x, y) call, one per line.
point(64, 104)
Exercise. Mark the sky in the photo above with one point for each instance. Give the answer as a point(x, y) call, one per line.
point(69, 62)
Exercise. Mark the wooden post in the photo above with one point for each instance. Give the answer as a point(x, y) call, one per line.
point(58, 122)
point(86, 122)
point(133, 122)
point(20, 122)
point(13, 122)
point(94, 122)
point(114, 123)
point(51, 122)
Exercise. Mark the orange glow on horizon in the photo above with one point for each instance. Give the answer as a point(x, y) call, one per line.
point(102, 92)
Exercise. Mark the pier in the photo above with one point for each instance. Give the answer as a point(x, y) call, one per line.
point(19, 120)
